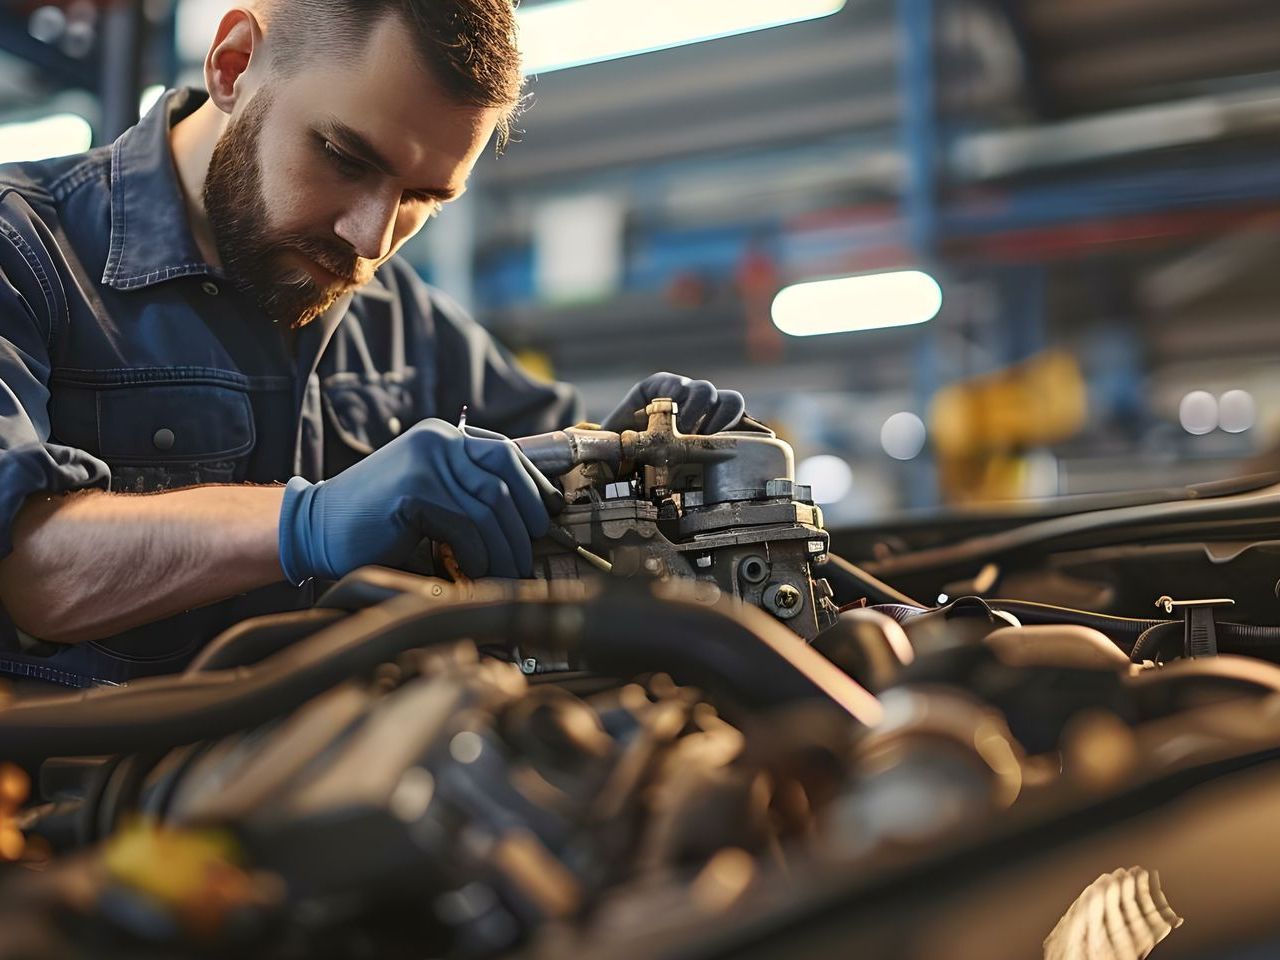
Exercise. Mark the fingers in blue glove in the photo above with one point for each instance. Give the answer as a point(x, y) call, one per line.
point(729, 410)
point(452, 527)
point(695, 399)
point(551, 496)
point(703, 408)
point(513, 494)
point(486, 499)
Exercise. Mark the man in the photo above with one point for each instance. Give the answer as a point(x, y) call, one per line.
point(211, 308)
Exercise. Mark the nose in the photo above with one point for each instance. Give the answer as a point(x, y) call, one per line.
point(368, 225)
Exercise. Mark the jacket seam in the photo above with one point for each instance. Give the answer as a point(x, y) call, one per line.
point(134, 281)
point(77, 176)
point(139, 376)
point(29, 255)
point(115, 247)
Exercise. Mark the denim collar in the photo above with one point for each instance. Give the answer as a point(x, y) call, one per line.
point(151, 239)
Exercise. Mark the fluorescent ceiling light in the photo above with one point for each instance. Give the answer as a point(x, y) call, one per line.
point(52, 136)
point(857, 303)
point(570, 33)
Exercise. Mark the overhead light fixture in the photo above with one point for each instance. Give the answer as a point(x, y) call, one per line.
point(868, 302)
point(572, 33)
point(53, 136)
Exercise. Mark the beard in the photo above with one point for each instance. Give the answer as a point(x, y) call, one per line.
point(254, 256)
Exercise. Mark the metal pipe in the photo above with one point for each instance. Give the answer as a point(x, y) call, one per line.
point(122, 40)
point(558, 452)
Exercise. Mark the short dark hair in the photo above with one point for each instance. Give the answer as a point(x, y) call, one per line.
point(468, 45)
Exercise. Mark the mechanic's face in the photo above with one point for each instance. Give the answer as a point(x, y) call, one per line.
point(324, 174)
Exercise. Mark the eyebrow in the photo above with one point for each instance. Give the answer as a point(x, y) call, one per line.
point(358, 145)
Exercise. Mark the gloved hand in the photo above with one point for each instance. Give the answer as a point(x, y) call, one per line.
point(472, 489)
point(702, 408)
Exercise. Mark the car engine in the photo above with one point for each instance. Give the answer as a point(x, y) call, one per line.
point(699, 732)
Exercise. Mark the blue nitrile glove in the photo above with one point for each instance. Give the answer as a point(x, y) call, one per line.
point(702, 408)
point(472, 489)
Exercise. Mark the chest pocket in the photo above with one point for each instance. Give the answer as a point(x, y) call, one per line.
point(364, 413)
point(368, 392)
point(158, 429)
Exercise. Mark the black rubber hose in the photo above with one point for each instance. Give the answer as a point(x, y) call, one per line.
point(850, 581)
point(1156, 638)
point(161, 712)
point(1249, 638)
point(1259, 504)
point(1123, 630)
point(618, 630)
point(1243, 638)
point(740, 652)
point(256, 639)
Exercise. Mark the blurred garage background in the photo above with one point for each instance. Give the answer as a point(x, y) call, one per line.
point(1061, 221)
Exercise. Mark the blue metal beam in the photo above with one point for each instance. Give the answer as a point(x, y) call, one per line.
point(1194, 184)
point(919, 134)
point(919, 124)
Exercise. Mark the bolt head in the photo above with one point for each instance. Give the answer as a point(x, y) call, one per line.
point(529, 665)
point(788, 596)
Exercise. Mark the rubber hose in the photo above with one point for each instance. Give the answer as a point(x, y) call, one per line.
point(163, 712)
point(856, 580)
point(1123, 630)
point(1155, 637)
point(258, 638)
point(1243, 638)
point(618, 630)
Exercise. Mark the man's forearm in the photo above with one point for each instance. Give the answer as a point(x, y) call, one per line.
point(89, 565)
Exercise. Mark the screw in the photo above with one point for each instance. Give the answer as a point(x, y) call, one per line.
point(788, 597)
point(529, 665)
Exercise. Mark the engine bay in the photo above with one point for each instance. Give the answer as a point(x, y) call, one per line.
point(707, 728)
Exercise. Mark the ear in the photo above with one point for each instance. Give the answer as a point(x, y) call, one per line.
point(237, 42)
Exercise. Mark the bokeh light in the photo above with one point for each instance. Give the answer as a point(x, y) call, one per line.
point(1237, 411)
point(830, 477)
point(1198, 412)
point(903, 436)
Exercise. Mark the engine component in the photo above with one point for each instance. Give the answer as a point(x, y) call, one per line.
point(722, 510)
point(440, 802)
point(376, 786)
point(653, 762)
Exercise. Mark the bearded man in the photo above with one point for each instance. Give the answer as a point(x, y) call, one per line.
point(217, 382)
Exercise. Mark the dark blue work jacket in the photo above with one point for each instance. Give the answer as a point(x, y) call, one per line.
point(127, 363)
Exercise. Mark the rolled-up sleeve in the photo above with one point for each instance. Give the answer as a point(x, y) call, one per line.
point(31, 310)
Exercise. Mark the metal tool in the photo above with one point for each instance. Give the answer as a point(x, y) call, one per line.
point(563, 538)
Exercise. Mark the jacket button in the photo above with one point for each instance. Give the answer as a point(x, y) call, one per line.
point(163, 439)
point(394, 426)
point(210, 288)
